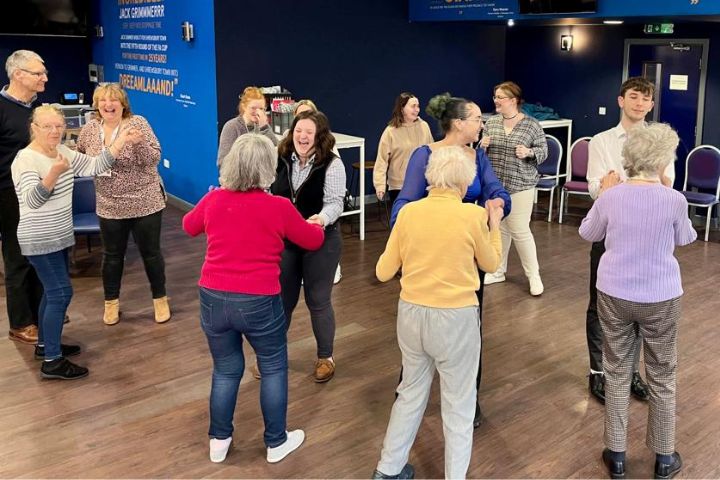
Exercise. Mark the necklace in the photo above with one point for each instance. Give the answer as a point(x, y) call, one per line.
point(643, 180)
point(510, 118)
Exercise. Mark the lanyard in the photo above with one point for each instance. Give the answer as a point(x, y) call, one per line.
point(113, 136)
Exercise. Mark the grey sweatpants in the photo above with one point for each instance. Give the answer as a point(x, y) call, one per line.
point(446, 339)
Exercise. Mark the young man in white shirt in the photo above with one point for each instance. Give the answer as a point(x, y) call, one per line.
point(605, 169)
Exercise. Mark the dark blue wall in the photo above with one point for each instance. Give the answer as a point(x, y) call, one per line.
point(351, 58)
point(576, 83)
point(66, 58)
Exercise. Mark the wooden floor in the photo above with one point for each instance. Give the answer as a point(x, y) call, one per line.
point(142, 412)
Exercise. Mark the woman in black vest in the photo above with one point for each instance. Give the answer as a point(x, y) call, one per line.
point(313, 178)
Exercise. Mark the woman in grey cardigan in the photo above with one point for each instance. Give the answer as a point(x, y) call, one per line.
point(251, 119)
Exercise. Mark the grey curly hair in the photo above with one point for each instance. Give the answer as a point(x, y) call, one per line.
point(451, 168)
point(649, 150)
point(250, 163)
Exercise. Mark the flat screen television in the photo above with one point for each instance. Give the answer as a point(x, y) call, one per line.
point(549, 7)
point(46, 17)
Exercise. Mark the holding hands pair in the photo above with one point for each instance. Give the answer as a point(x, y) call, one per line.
point(316, 220)
point(128, 135)
point(494, 208)
point(609, 180)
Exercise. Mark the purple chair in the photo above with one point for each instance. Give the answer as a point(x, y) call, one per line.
point(702, 172)
point(577, 165)
point(549, 171)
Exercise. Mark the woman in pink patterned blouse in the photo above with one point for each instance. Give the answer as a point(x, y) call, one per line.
point(130, 198)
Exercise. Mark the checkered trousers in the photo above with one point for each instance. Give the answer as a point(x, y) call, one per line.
point(624, 325)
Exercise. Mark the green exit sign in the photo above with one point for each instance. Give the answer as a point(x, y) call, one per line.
point(660, 28)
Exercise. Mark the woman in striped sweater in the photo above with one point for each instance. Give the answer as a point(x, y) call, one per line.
point(43, 176)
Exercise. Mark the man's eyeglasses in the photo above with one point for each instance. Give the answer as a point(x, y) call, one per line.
point(36, 74)
point(50, 128)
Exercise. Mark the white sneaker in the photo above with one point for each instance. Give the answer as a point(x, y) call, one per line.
point(536, 286)
point(338, 275)
point(491, 278)
point(219, 449)
point(294, 440)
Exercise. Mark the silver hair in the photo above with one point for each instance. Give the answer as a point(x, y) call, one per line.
point(452, 168)
point(250, 163)
point(19, 59)
point(649, 150)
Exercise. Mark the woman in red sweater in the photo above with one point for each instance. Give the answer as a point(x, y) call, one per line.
point(240, 289)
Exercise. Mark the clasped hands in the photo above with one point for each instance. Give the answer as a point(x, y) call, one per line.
point(521, 151)
point(316, 220)
point(258, 117)
point(609, 180)
point(494, 208)
point(129, 135)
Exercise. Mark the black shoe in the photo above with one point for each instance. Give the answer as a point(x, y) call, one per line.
point(663, 470)
point(62, 369)
point(597, 386)
point(478, 416)
point(639, 388)
point(66, 350)
point(407, 472)
point(615, 469)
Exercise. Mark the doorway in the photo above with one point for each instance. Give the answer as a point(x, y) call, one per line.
point(678, 68)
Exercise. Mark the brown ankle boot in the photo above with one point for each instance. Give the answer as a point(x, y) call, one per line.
point(112, 312)
point(162, 309)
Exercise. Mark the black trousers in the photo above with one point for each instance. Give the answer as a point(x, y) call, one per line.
point(593, 329)
point(23, 290)
point(392, 195)
point(146, 233)
point(315, 271)
point(479, 294)
point(592, 322)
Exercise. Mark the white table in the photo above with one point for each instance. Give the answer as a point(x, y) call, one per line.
point(560, 123)
point(348, 141)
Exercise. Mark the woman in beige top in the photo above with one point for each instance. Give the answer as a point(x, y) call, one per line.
point(405, 132)
point(130, 198)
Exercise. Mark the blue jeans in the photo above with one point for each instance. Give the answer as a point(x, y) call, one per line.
point(226, 317)
point(52, 270)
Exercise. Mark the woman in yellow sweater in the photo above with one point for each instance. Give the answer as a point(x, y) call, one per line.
point(405, 132)
point(438, 316)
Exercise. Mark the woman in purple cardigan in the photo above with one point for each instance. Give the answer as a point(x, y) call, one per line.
point(639, 289)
